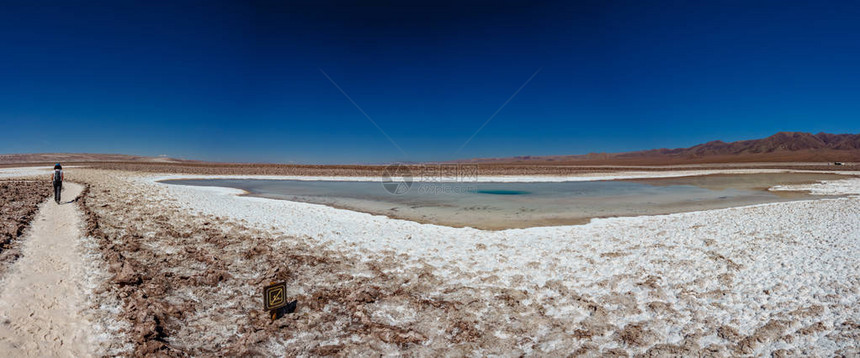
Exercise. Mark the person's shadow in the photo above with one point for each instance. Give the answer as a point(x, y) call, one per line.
point(75, 200)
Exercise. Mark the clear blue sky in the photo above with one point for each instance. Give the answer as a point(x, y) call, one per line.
point(242, 81)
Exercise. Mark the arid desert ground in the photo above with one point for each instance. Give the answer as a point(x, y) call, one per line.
point(132, 267)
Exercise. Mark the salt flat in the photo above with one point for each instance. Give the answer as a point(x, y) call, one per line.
point(760, 279)
point(180, 268)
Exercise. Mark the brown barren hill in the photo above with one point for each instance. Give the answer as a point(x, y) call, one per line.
point(786, 150)
point(780, 147)
point(50, 158)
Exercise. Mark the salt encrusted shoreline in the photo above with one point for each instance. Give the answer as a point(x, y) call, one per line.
point(761, 279)
point(24, 172)
point(509, 178)
point(770, 279)
point(39, 171)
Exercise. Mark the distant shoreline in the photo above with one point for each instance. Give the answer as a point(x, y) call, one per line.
point(483, 169)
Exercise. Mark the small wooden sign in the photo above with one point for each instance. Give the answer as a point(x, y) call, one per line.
point(275, 296)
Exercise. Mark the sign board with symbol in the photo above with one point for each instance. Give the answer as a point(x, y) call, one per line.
point(275, 296)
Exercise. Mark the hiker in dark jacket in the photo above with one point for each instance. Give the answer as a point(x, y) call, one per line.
point(57, 178)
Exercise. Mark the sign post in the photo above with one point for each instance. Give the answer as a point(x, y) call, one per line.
point(275, 297)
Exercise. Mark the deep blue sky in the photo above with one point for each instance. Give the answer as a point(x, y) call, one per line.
point(242, 81)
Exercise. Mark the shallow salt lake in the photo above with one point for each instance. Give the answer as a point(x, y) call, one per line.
point(517, 205)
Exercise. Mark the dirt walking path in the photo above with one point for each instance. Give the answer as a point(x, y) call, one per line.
point(42, 295)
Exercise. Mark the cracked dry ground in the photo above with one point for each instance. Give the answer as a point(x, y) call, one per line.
point(190, 286)
point(19, 201)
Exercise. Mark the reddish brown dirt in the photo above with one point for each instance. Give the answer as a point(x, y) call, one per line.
point(338, 305)
point(19, 201)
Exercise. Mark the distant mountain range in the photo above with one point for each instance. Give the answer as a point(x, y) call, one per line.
point(50, 158)
point(780, 147)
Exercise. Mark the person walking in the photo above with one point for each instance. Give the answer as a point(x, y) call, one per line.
point(57, 178)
